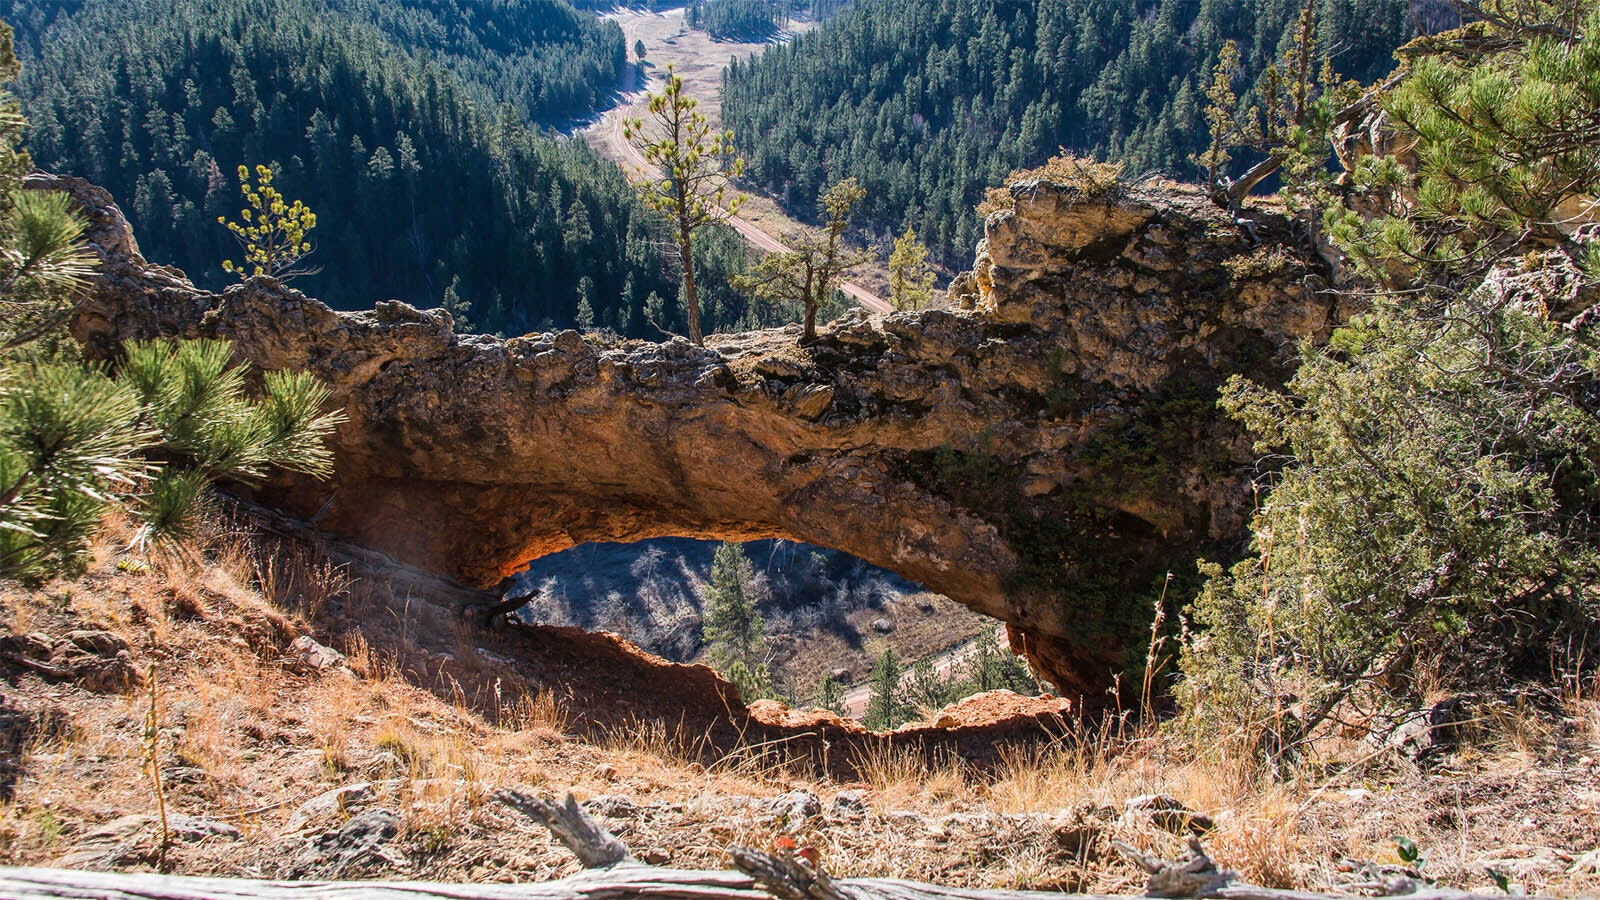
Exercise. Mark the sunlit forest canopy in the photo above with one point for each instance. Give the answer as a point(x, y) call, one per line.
point(927, 102)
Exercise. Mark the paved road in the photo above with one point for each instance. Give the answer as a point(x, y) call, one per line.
point(632, 105)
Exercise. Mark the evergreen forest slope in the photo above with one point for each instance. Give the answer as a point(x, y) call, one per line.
point(422, 194)
point(927, 102)
point(545, 58)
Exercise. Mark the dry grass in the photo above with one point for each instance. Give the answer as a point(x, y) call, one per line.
point(1091, 177)
point(250, 742)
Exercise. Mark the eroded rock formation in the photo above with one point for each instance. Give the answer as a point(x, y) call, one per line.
point(1044, 456)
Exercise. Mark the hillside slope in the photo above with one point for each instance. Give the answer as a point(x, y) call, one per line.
point(927, 102)
point(279, 760)
point(423, 192)
point(825, 611)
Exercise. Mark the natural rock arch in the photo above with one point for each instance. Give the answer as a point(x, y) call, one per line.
point(1043, 456)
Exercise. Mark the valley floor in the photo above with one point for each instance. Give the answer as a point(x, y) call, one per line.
point(699, 60)
point(280, 760)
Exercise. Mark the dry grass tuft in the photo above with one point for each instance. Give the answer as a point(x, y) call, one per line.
point(1090, 177)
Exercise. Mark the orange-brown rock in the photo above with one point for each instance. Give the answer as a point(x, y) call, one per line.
point(997, 710)
point(1045, 456)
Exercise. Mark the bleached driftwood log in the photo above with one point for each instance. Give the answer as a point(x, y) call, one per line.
point(611, 873)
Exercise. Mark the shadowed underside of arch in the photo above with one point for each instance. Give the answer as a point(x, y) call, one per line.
point(1044, 455)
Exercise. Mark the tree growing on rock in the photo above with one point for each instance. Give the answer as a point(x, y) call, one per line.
point(1437, 525)
point(808, 274)
point(271, 230)
point(1297, 102)
point(691, 184)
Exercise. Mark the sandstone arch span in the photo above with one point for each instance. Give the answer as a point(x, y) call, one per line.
point(1043, 455)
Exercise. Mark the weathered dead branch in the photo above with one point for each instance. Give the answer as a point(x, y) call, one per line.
point(611, 873)
point(587, 839)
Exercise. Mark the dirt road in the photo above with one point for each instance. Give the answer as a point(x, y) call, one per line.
point(699, 61)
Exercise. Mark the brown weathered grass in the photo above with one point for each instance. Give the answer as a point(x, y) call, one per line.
point(249, 742)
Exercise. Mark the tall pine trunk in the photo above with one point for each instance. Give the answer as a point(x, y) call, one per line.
point(685, 242)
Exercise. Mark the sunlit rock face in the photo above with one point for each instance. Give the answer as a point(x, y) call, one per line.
point(1045, 451)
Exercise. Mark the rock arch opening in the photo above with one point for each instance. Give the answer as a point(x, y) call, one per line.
point(826, 615)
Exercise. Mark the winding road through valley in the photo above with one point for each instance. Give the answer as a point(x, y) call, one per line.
point(699, 60)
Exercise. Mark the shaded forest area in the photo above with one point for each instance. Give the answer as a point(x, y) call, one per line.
point(749, 20)
point(545, 58)
point(927, 102)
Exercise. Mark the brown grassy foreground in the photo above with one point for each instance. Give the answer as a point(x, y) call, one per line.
point(429, 718)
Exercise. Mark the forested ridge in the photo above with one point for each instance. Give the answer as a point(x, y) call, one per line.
point(747, 19)
point(754, 19)
point(422, 193)
point(927, 102)
point(544, 57)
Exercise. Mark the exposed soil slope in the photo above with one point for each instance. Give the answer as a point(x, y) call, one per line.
point(279, 760)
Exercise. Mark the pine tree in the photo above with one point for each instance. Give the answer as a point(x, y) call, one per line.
point(733, 628)
point(1440, 507)
point(149, 436)
point(830, 696)
point(910, 277)
point(808, 274)
point(1506, 112)
point(1287, 126)
point(460, 309)
point(886, 709)
point(1222, 119)
point(753, 684)
point(45, 266)
point(691, 184)
point(992, 668)
point(270, 230)
point(926, 689)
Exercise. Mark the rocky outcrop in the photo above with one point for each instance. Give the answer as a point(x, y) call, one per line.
point(1045, 456)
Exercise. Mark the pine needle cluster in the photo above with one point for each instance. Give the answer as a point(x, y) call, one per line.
point(148, 435)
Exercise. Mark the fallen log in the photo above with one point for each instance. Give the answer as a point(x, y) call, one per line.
point(611, 873)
